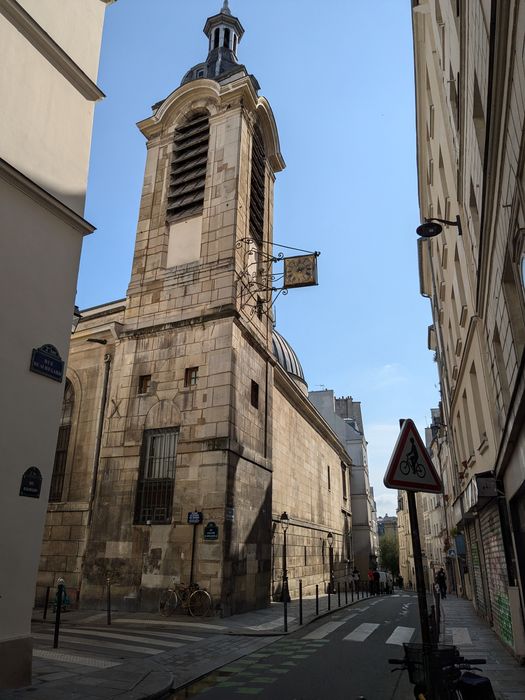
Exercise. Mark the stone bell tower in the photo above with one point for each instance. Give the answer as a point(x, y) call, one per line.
point(193, 367)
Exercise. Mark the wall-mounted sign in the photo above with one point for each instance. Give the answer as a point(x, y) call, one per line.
point(211, 531)
point(46, 360)
point(31, 483)
point(194, 517)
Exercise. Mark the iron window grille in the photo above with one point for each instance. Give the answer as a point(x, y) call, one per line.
point(188, 168)
point(59, 467)
point(254, 394)
point(156, 482)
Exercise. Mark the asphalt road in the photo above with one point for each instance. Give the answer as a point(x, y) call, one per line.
point(341, 657)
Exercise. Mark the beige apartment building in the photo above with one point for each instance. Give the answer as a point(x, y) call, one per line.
point(50, 54)
point(186, 429)
point(470, 115)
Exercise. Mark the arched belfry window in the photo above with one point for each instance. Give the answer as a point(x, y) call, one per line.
point(188, 167)
point(216, 35)
point(59, 466)
point(257, 191)
point(226, 42)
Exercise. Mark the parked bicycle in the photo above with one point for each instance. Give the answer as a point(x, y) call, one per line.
point(195, 600)
point(451, 673)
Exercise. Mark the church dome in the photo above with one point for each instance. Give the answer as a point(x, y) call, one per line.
point(287, 358)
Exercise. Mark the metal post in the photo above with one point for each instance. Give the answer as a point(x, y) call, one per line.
point(338, 594)
point(420, 587)
point(46, 603)
point(346, 592)
point(60, 595)
point(317, 599)
point(300, 602)
point(108, 582)
point(192, 552)
point(329, 594)
point(285, 615)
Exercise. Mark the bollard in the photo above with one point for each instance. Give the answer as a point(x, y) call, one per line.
point(317, 599)
point(60, 593)
point(108, 581)
point(329, 599)
point(353, 586)
point(46, 603)
point(300, 602)
point(338, 594)
point(346, 592)
point(285, 615)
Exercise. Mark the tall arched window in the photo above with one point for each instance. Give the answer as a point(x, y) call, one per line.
point(188, 167)
point(216, 34)
point(257, 193)
point(226, 42)
point(59, 467)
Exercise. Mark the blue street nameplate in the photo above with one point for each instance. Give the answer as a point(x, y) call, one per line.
point(46, 360)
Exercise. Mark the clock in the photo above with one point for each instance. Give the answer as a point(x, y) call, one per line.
point(300, 271)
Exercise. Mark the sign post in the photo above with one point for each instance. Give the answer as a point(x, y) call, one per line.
point(411, 469)
point(194, 518)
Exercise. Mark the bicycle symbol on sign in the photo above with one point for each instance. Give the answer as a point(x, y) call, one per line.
point(411, 463)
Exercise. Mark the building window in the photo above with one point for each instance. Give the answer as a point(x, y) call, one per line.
point(343, 481)
point(188, 168)
point(191, 375)
point(144, 383)
point(216, 34)
point(257, 194)
point(157, 476)
point(329, 479)
point(226, 42)
point(254, 397)
point(59, 466)
point(200, 74)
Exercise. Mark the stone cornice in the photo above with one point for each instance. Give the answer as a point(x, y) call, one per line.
point(49, 49)
point(17, 179)
point(307, 410)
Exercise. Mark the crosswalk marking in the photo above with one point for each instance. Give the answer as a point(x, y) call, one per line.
point(171, 623)
point(125, 637)
point(101, 643)
point(361, 632)
point(460, 636)
point(328, 627)
point(73, 659)
point(269, 625)
point(401, 635)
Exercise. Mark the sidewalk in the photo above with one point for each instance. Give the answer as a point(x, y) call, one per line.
point(475, 639)
point(56, 676)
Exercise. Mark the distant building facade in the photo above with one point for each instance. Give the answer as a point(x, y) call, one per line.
point(345, 418)
point(50, 55)
point(186, 428)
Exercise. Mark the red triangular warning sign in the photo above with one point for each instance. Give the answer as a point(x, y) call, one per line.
point(410, 467)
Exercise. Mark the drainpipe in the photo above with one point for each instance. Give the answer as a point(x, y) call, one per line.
point(98, 443)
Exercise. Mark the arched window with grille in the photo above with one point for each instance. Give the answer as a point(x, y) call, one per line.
point(154, 499)
point(188, 167)
point(59, 466)
point(257, 187)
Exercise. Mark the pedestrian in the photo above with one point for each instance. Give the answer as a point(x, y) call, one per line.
point(377, 578)
point(441, 580)
point(370, 582)
point(400, 581)
point(355, 579)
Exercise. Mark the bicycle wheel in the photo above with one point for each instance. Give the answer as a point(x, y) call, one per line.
point(421, 471)
point(199, 603)
point(404, 467)
point(168, 602)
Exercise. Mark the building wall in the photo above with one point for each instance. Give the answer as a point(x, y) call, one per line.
point(48, 100)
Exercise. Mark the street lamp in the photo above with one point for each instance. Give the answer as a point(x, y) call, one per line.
point(331, 584)
point(285, 593)
point(76, 319)
point(432, 227)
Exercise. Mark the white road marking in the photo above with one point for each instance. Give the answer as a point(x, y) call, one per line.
point(101, 643)
point(401, 635)
point(170, 623)
point(361, 632)
point(73, 659)
point(327, 628)
point(269, 625)
point(126, 637)
point(460, 636)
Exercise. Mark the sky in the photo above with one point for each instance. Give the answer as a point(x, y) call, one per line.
point(339, 77)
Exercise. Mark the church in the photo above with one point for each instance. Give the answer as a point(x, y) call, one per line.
point(186, 430)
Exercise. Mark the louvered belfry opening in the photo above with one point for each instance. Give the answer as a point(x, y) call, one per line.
point(257, 187)
point(188, 167)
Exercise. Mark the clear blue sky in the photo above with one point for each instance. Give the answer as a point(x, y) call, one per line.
point(339, 77)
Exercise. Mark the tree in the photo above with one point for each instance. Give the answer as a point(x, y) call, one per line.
point(389, 554)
